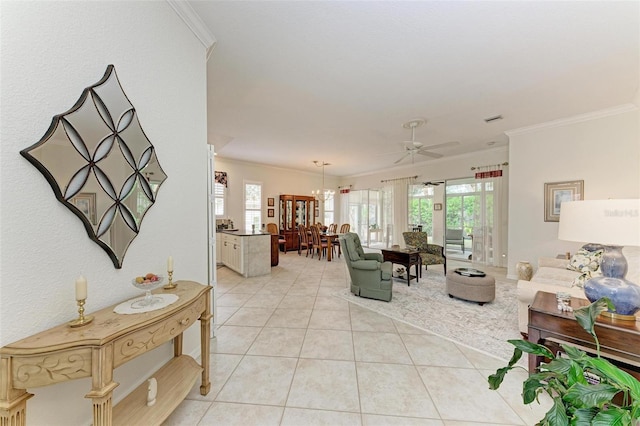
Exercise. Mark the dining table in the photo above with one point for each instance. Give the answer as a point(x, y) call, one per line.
point(330, 238)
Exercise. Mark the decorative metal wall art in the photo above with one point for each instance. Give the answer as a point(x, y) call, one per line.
point(99, 147)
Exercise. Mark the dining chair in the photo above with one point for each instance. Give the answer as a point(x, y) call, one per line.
point(333, 228)
point(344, 228)
point(319, 245)
point(272, 228)
point(305, 242)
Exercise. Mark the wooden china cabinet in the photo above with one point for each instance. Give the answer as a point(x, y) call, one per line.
point(296, 210)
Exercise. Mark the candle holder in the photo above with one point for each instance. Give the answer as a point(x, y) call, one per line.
point(81, 320)
point(170, 285)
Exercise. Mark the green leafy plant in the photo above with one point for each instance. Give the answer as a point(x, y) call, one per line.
point(582, 386)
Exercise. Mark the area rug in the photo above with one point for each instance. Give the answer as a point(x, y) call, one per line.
point(426, 305)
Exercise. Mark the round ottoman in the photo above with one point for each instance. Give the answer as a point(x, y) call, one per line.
point(474, 289)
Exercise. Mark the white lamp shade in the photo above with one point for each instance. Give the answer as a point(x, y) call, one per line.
point(608, 222)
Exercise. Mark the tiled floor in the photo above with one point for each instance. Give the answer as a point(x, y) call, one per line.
point(287, 352)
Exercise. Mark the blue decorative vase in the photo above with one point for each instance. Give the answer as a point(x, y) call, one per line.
point(624, 294)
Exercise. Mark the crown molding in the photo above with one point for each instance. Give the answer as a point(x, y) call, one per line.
point(184, 10)
point(574, 119)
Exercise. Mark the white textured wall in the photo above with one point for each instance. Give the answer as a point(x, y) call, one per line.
point(604, 152)
point(50, 52)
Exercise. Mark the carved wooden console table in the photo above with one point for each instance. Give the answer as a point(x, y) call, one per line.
point(64, 353)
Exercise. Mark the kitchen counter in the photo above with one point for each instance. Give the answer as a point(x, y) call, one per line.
point(247, 253)
point(242, 232)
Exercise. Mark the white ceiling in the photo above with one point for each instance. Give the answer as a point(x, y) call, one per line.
point(296, 81)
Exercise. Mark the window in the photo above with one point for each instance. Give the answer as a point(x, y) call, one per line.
point(252, 204)
point(220, 194)
point(421, 207)
point(328, 209)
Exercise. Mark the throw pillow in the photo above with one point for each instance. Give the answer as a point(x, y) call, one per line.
point(587, 262)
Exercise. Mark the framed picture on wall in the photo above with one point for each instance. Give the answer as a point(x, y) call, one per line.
point(437, 206)
point(270, 202)
point(270, 212)
point(557, 192)
point(86, 203)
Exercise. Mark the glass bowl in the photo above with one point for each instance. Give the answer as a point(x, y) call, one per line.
point(148, 299)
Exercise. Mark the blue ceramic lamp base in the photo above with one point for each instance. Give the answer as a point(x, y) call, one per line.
point(624, 294)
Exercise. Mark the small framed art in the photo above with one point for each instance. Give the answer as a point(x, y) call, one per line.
point(557, 192)
point(270, 212)
point(437, 206)
point(271, 202)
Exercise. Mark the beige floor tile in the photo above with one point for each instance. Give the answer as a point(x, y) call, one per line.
point(233, 340)
point(377, 420)
point(188, 413)
point(426, 349)
point(380, 347)
point(469, 386)
point(328, 291)
point(331, 303)
point(511, 392)
point(365, 320)
point(306, 417)
point(289, 318)
point(245, 287)
point(233, 299)
point(300, 290)
point(263, 301)
point(328, 344)
point(228, 414)
point(325, 385)
point(278, 342)
point(255, 317)
point(259, 380)
point(223, 313)
point(330, 320)
point(405, 328)
point(393, 389)
point(220, 368)
point(480, 360)
point(297, 302)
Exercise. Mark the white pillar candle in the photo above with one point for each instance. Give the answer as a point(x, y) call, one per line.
point(81, 288)
point(170, 264)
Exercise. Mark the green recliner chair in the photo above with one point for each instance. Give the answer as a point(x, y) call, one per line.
point(370, 276)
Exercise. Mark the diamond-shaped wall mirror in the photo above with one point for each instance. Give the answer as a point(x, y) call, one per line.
point(101, 165)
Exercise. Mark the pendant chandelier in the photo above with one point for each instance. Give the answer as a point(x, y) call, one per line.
point(322, 194)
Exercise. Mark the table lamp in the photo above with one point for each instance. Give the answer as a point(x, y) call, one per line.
point(614, 224)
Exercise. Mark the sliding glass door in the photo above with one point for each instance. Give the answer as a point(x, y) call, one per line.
point(367, 218)
point(421, 208)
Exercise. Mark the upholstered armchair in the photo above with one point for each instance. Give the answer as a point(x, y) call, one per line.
point(370, 276)
point(431, 254)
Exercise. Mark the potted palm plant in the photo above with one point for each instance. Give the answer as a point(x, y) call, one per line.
point(582, 386)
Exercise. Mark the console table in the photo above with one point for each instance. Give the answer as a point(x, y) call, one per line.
point(64, 353)
point(619, 340)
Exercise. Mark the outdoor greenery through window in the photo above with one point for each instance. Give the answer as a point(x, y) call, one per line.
point(252, 205)
point(421, 207)
point(462, 202)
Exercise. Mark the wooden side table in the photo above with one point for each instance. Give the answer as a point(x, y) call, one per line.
point(406, 258)
point(619, 340)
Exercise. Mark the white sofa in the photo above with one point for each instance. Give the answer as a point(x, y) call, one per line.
point(553, 276)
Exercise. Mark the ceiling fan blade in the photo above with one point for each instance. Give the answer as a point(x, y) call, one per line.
point(430, 154)
point(442, 145)
point(402, 158)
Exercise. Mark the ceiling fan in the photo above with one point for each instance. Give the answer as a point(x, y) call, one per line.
point(413, 147)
